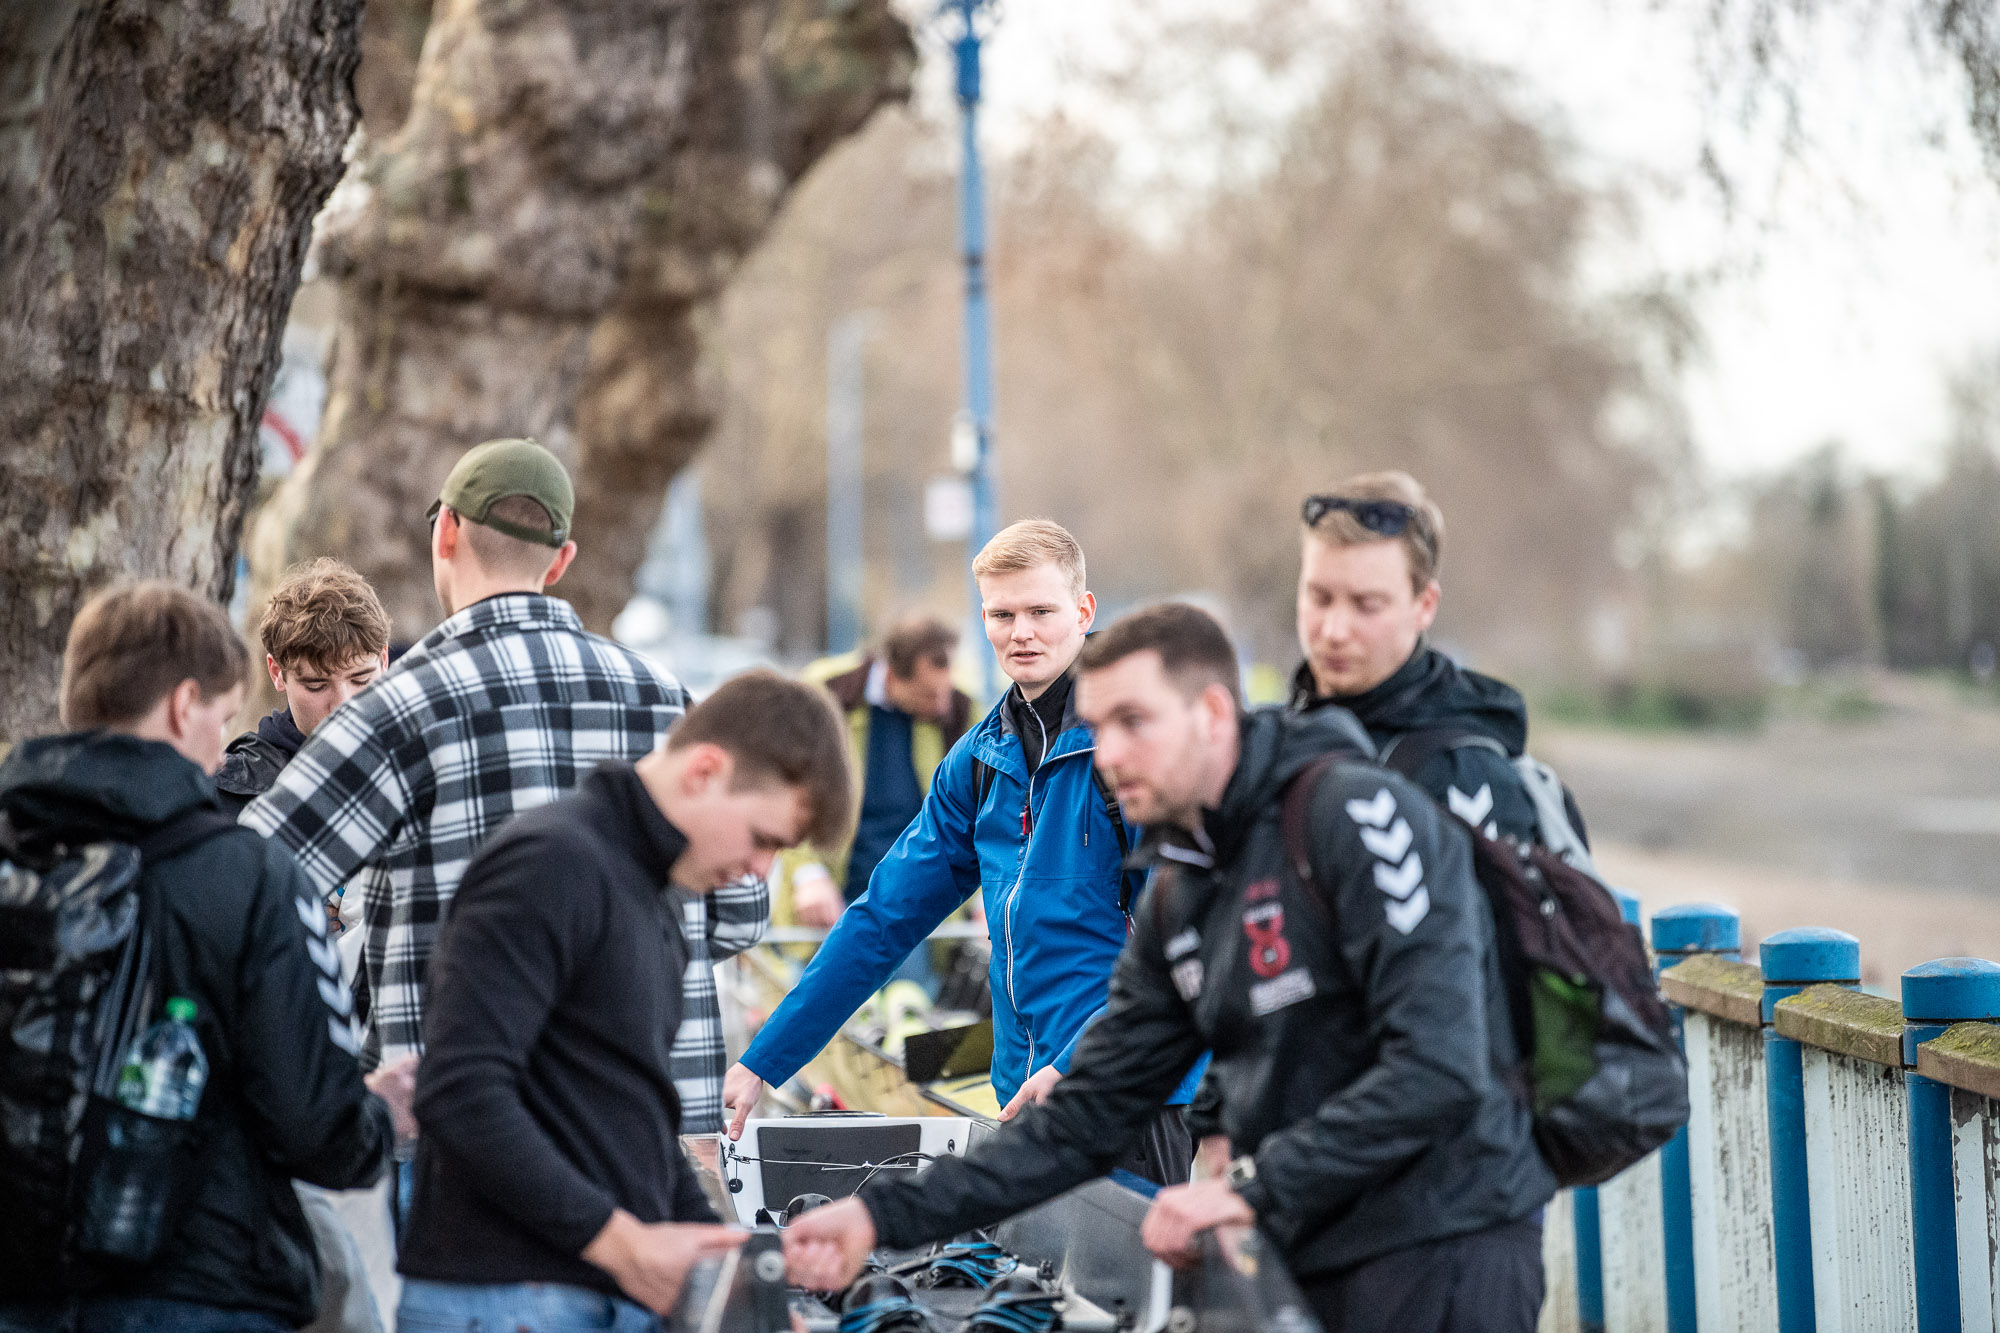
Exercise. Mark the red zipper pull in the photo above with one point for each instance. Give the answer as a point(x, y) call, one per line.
point(1024, 819)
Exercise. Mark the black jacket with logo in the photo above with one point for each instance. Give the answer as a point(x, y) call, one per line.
point(245, 940)
point(1357, 1052)
point(1430, 692)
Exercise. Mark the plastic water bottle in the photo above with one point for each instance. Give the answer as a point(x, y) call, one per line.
point(166, 1071)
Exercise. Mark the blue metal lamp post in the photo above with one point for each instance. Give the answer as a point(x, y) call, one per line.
point(978, 412)
point(1936, 995)
point(1793, 960)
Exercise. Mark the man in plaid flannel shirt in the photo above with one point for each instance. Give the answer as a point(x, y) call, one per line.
point(505, 706)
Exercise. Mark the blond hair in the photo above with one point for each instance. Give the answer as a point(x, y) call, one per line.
point(323, 616)
point(1030, 543)
point(1422, 540)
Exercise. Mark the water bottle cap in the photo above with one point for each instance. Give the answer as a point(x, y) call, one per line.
point(181, 1009)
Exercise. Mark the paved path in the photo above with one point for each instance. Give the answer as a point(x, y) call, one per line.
point(1889, 828)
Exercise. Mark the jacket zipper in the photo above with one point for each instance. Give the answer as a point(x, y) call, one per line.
point(1020, 870)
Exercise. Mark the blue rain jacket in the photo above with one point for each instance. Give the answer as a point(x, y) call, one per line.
point(1044, 854)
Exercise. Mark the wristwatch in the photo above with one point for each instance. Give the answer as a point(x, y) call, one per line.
point(1241, 1172)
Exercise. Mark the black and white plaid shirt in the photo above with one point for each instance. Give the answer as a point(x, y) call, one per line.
point(503, 707)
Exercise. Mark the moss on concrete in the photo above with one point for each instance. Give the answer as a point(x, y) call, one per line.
point(1966, 1056)
point(1717, 986)
point(1867, 1027)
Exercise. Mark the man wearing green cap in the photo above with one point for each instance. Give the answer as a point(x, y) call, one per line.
point(505, 706)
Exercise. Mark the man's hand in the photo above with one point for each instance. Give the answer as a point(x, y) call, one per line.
point(1211, 1157)
point(825, 1249)
point(1033, 1093)
point(650, 1263)
point(740, 1091)
point(816, 899)
point(397, 1085)
point(1180, 1213)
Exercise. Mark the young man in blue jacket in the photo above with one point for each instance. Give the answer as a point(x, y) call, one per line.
point(1014, 812)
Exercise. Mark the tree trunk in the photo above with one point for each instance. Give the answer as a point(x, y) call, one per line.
point(160, 166)
point(528, 253)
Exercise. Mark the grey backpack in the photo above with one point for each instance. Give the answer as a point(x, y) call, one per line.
point(1555, 829)
point(79, 975)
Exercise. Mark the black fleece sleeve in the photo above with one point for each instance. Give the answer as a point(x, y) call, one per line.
point(294, 1036)
point(1127, 1064)
point(505, 954)
point(1412, 925)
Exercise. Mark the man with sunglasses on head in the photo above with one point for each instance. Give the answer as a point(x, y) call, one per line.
point(1368, 592)
point(1370, 555)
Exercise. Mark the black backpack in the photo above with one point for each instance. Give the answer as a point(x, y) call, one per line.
point(1601, 1071)
point(79, 982)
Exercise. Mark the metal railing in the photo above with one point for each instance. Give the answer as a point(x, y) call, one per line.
point(1840, 1170)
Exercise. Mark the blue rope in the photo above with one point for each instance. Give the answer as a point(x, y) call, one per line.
point(1011, 1313)
point(969, 1264)
point(895, 1314)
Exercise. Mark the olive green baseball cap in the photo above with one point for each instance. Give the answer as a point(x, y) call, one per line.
point(497, 469)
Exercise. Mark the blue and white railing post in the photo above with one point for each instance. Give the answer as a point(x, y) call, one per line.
point(1936, 995)
point(1584, 1217)
point(1791, 961)
point(1679, 933)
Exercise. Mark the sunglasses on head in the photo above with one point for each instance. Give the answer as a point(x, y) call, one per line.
point(1387, 518)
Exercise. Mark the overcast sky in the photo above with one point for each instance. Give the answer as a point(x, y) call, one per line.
point(1848, 288)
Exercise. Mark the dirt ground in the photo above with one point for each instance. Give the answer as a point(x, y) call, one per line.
point(1888, 827)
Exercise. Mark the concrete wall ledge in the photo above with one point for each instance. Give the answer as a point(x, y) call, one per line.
point(1967, 1056)
point(1717, 986)
point(1833, 1018)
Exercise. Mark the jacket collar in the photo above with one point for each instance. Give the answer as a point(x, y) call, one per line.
point(997, 743)
point(506, 610)
point(1429, 690)
point(98, 784)
point(651, 838)
point(866, 683)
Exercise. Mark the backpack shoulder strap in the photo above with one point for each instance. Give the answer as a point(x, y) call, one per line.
point(982, 782)
point(1409, 752)
point(1293, 816)
point(1126, 893)
point(1552, 813)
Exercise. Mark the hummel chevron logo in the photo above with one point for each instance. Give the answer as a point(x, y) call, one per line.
point(1399, 881)
point(1405, 916)
point(1472, 809)
point(336, 997)
point(1376, 813)
point(312, 915)
point(1389, 846)
point(325, 956)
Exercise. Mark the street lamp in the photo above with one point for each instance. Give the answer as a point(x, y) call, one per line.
point(964, 20)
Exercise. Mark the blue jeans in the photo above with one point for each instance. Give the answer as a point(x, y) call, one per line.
point(522, 1307)
point(133, 1314)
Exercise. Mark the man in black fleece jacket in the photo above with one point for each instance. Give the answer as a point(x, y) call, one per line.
point(550, 1179)
point(150, 675)
point(1356, 1019)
